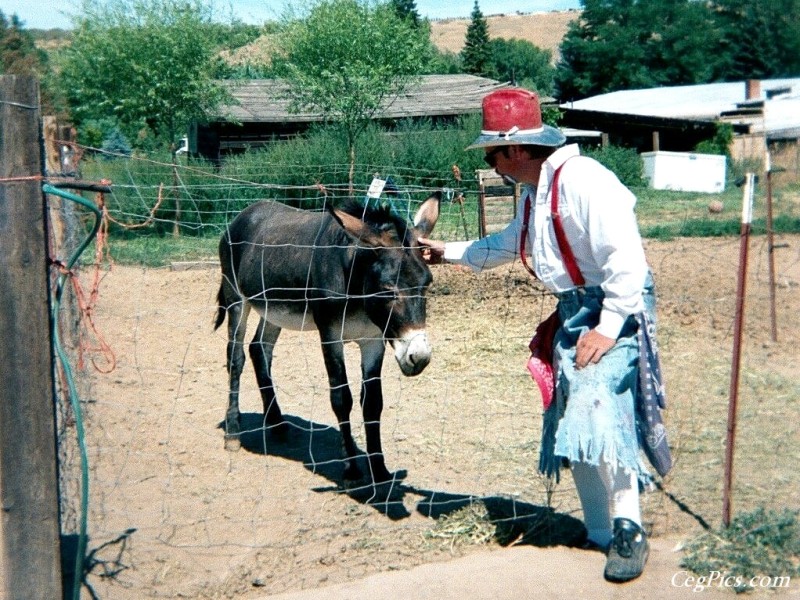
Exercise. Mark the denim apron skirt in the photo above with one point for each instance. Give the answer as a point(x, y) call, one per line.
point(593, 416)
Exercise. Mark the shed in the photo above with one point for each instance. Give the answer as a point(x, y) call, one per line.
point(763, 113)
point(261, 112)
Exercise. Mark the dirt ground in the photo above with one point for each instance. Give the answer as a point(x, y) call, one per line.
point(172, 514)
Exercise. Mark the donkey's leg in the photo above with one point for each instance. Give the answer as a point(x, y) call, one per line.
point(261, 349)
point(341, 401)
point(237, 326)
point(372, 351)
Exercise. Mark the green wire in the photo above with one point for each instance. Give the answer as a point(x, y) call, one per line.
point(73, 392)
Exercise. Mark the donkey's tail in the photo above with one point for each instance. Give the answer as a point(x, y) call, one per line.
point(222, 308)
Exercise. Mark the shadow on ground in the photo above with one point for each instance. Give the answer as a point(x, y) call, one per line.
point(318, 448)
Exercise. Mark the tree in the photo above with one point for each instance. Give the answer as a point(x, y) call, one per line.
point(443, 62)
point(406, 9)
point(522, 63)
point(346, 59)
point(20, 56)
point(18, 53)
point(475, 55)
point(147, 65)
point(628, 44)
point(761, 38)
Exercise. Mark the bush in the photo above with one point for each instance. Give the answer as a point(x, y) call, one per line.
point(720, 143)
point(624, 162)
point(304, 172)
point(116, 143)
point(419, 157)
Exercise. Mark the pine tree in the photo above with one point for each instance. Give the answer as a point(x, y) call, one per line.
point(475, 54)
point(406, 9)
point(20, 56)
point(18, 53)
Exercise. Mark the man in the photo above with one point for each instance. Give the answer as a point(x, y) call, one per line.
point(591, 423)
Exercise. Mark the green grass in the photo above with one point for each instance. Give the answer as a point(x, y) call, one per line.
point(666, 214)
point(758, 549)
point(159, 251)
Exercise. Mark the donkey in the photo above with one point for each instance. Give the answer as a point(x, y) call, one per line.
point(355, 274)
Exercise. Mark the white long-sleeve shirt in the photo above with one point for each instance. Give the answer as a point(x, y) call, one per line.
point(600, 225)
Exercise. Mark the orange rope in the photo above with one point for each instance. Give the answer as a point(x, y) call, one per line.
point(150, 218)
point(21, 178)
point(85, 309)
point(87, 301)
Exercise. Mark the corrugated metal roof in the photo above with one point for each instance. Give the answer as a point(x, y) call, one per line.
point(775, 110)
point(264, 100)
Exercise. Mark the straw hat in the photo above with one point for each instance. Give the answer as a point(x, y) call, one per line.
point(513, 116)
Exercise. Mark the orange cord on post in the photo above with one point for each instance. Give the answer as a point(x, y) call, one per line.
point(85, 308)
point(21, 179)
point(87, 301)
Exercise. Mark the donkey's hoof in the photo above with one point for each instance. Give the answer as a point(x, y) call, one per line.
point(232, 443)
point(352, 475)
point(381, 475)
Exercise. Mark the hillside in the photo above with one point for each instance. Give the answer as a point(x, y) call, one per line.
point(545, 30)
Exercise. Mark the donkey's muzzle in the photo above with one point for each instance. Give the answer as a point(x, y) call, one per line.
point(413, 352)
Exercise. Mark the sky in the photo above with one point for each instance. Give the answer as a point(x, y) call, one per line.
point(48, 14)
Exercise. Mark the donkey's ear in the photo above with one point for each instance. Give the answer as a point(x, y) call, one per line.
point(357, 228)
point(428, 214)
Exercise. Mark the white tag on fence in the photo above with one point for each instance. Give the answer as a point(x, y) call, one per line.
point(376, 188)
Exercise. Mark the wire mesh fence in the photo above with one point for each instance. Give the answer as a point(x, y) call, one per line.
point(172, 513)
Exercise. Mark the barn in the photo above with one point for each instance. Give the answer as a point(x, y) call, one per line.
point(261, 115)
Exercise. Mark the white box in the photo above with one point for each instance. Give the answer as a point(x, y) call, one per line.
point(685, 171)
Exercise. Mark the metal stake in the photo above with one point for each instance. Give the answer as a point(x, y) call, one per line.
point(747, 218)
point(771, 250)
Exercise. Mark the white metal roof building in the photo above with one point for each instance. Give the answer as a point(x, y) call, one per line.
point(771, 105)
point(764, 113)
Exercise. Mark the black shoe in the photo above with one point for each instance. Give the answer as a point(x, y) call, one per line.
point(628, 552)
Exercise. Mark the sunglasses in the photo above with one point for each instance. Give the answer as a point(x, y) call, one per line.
point(490, 158)
point(535, 152)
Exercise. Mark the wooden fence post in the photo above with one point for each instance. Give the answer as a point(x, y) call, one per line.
point(29, 528)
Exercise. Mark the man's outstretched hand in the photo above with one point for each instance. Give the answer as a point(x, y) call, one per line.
point(432, 250)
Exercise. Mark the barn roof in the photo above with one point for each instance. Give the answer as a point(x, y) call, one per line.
point(264, 100)
point(773, 105)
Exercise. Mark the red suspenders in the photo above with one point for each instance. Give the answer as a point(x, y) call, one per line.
point(563, 245)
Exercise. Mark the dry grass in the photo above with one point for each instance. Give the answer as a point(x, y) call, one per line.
point(464, 435)
point(545, 30)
